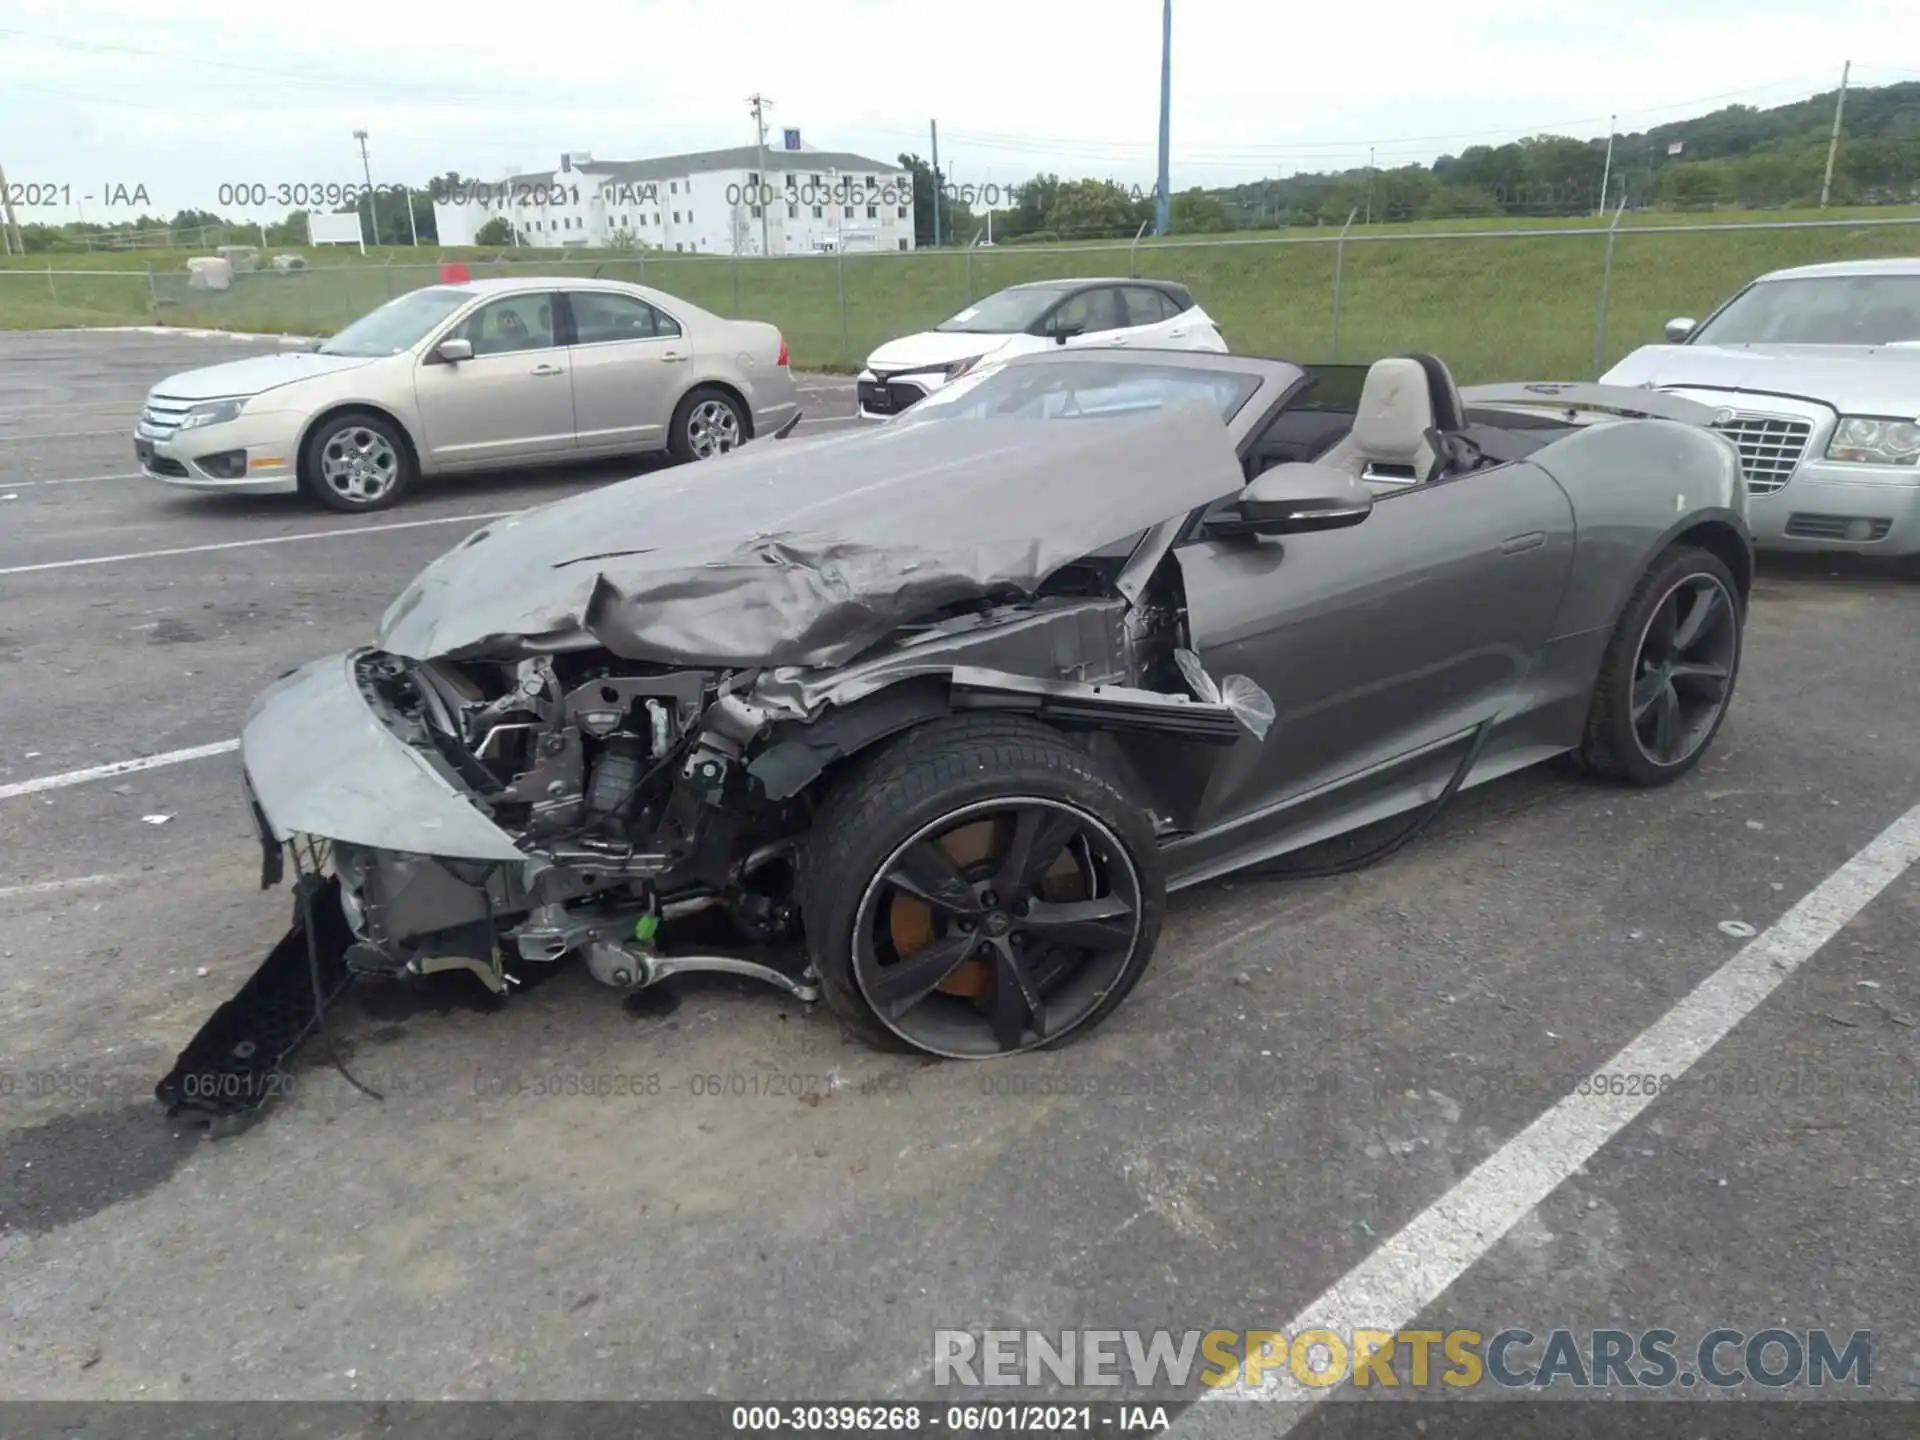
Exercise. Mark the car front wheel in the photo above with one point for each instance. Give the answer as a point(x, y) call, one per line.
point(978, 889)
point(356, 462)
point(1669, 670)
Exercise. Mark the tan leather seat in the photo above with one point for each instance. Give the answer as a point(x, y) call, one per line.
point(1391, 444)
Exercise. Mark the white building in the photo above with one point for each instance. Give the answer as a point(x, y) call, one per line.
point(717, 202)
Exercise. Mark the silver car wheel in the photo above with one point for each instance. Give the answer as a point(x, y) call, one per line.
point(712, 429)
point(359, 464)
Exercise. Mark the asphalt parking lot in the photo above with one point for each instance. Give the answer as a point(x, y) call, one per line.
point(766, 1208)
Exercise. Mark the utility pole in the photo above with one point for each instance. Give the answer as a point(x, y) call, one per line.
point(1162, 200)
point(1369, 219)
point(1833, 143)
point(10, 229)
point(373, 207)
point(763, 191)
point(933, 128)
point(1606, 172)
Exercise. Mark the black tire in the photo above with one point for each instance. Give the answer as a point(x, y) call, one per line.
point(981, 772)
point(695, 416)
point(1617, 742)
point(388, 466)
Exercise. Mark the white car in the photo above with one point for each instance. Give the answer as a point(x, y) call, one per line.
point(1818, 369)
point(1143, 314)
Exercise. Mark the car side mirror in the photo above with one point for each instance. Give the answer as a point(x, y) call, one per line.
point(452, 352)
point(1679, 329)
point(1063, 333)
point(1295, 499)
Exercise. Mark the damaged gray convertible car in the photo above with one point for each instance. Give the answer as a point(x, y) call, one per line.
point(925, 720)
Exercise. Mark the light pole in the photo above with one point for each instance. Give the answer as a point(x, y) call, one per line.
point(1833, 144)
point(1606, 171)
point(763, 191)
point(366, 169)
point(1163, 203)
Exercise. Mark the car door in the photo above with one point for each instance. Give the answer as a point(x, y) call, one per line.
point(513, 401)
point(1089, 317)
point(1153, 320)
point(630, 364)
point(1379, 643)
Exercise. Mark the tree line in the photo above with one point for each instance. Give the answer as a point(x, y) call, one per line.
point(1736, 157)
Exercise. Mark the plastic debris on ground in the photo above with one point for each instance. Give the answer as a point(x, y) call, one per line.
point(156, 819)
point(1250, 705)
point(1739, 929)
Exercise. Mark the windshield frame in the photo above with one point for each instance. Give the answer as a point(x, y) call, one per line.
point(463, 297)
point(1701, 334)
point(951, 401)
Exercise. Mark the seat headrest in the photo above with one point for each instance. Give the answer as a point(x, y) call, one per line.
point(1395, 412)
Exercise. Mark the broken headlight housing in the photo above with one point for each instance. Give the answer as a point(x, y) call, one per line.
point(1871, 440)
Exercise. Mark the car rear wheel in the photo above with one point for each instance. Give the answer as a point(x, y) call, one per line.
point(708, 422)
point(1669, 671)
point(356, 462)
point(978, 889)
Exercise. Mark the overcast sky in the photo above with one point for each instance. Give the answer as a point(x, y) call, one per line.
point(185, 96)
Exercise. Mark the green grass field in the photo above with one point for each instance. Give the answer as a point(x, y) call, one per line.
point(1520, 303)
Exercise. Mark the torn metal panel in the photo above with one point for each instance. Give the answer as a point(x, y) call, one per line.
point(320, 762)
point(1098, 707)
point(1083, 640)
point(1249, 703)
point(809, 555)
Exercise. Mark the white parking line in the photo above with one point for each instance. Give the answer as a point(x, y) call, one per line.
point(70, 480)
point(1396, 1283)
point(54, 887)
point(61, 435)
point(117, 767)
point(257, 540)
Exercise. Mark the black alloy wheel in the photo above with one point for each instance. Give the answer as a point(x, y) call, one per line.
point(978, 888)
point(997, 928)
point(1667, 678)
point(1683, 674)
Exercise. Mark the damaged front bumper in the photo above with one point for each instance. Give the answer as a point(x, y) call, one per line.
point(319, 761)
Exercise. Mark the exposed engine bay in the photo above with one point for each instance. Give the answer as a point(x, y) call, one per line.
point(643, 794)
point(552, 756)
point(625, 791)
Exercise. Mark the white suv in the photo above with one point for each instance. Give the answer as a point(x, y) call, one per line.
point(1142, 314)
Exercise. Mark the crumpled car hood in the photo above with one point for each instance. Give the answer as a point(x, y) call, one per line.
point(808, 555)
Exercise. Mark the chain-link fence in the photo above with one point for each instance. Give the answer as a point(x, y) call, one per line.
point(1560, 302)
